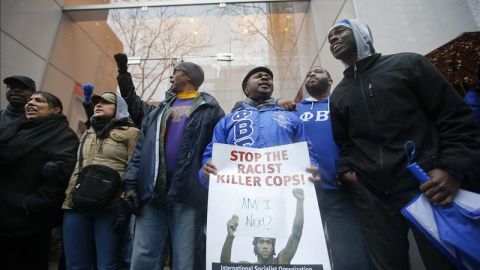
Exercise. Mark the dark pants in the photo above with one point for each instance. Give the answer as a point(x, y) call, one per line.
point(26, 252)
point(386, 230)
point(343, 230)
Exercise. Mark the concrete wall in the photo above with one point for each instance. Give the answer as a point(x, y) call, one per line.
point(397, 25)
point(59, 51)
point(415, 25)
point(27, 33)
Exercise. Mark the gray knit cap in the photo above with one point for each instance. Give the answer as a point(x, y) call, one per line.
point(193, 71)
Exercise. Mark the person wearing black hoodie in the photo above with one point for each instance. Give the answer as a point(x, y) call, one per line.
point(382, 102)
point(37, 156)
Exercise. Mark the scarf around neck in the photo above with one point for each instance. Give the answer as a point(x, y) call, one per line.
point(102, 127)
point(22, 136)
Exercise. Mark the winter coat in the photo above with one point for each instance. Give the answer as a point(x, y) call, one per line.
point(147, 167)
point(315, 115)
point(9, 114)
point(24, 184)
point(114, 152)
point(384, 101)
point(257, 128)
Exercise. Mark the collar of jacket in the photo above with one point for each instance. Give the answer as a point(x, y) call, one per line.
point(207, 99)
point(261, 104)
point(11, 111)
point(361, 65)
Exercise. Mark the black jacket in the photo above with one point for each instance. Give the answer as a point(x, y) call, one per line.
point(384, 101)
point(22, 184)
point(9, 114)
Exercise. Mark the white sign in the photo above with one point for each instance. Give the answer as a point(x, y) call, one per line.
point(263, 210)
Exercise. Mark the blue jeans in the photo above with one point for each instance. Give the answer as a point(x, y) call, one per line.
point(87, 232)
point(346, 244)
point(158, 222)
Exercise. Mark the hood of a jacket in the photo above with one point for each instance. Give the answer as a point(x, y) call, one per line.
point(362, 34)
point(249, 104)
point(122, 108)
point(209, 99)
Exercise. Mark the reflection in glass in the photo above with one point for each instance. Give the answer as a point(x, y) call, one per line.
point(226, 41)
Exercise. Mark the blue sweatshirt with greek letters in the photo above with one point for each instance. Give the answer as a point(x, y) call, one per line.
point(258, 128)
point(315, 115)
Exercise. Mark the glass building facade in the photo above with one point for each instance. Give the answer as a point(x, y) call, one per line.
point(64, 43)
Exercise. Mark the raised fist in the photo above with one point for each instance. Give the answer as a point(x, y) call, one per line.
point(87, 91)
point(122, 61)
point(298, 194)
point(232, 225)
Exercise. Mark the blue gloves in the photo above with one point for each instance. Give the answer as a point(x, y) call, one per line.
point(87, 91)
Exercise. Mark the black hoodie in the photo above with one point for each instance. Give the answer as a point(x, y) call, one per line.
point(384, 101)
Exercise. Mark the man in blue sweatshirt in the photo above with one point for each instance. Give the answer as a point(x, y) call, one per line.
point(258, 122)
point(345, 239)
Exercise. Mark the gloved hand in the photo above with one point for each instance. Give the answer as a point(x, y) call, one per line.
point(120, 225)
point(131, 197)
point(51, 168)
point(122, 61)
point(87, 91)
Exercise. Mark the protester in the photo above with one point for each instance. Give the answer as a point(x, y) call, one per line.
point(37, 155)
point(382, 102)
point(19, 90)
point(257, 123)
point(342, 227)
point(92, 234)
point(162, 175)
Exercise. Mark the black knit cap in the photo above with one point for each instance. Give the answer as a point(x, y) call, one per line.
point(26, 81)
point(253, 71)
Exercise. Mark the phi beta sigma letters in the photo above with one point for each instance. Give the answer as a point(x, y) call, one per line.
point(262, 210)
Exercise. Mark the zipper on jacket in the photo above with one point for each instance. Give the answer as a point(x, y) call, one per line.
point(370, 121)
point(370, 89)
point(355, 71)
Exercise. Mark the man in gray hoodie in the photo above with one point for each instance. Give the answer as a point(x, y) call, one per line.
point(382, 102)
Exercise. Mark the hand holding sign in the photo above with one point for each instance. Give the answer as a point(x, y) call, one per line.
point(315, 173)
point(208, 169)
point(270, 200)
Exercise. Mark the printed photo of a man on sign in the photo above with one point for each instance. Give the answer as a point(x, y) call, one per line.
point(263, 210)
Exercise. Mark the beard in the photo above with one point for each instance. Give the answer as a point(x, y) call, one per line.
point(318, 88)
